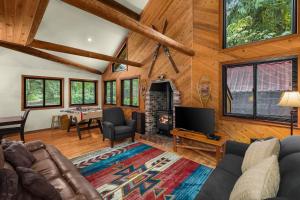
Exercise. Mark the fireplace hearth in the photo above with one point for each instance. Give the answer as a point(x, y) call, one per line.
point(161, 99)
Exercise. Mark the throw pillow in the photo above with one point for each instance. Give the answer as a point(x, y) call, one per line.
point(258, 151)
point(8, 184)
point(259, 182)
point(18, 156)
point(37, 185)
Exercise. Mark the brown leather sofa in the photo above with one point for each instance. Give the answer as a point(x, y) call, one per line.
point(60, 172)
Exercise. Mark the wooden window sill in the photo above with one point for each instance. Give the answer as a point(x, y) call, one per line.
point(43, 108)
point(258, 122)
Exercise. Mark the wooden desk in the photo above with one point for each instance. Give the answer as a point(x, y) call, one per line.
point(217, 146)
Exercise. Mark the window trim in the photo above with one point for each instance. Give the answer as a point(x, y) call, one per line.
point(223, 32)
point(117, 54)
point(44, 107)
point(83, 80)
point(111, 92)
point(254, 117)
point(131, 92)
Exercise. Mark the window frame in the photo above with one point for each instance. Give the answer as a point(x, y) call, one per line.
point(131, 91)
point(111, 92)
point(83, 81)
point(223, 34)
point(254, 116)
point(43, 78)
point(123, 45)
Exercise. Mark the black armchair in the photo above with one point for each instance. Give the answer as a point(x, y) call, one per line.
point(115, 127)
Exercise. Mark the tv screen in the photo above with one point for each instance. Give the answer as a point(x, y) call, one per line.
point(195, 119)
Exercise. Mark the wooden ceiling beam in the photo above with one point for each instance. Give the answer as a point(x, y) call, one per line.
point(79, 52)
point(101, 10)
point(41, 54)
point(119, 7)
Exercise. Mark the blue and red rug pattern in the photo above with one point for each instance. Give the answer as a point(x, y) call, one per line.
point(139, 171)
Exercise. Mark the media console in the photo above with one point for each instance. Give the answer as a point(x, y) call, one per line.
point(217, 146)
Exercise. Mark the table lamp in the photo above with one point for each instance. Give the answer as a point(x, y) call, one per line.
point(290, 99)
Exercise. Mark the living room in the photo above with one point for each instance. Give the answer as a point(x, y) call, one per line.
point(149, 99)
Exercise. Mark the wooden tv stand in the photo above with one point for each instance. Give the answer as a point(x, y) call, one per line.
point(217, 146)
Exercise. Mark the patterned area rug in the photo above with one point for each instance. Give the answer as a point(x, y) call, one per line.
point(139, 171)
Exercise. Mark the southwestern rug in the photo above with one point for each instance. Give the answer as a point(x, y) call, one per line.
point(139, 171)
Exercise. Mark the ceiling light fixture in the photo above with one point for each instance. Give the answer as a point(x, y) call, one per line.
point(89, 39)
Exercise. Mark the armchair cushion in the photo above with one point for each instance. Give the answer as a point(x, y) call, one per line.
point(123, 130)
point(114, 115)
point(132, 124)
point(108, 129)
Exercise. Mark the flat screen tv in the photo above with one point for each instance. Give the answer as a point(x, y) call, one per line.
point(195, 119)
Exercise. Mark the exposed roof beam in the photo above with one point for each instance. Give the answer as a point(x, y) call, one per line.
point(47, 56)
point(20, 19)
point(79, 52)
point(119, 7)
point(101, 10)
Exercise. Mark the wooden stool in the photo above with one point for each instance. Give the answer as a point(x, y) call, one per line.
point(55, 121)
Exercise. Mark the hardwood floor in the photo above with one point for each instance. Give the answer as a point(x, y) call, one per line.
point(71, 146)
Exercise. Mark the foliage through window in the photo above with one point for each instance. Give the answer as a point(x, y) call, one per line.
point(83, 92)
point(122, 54)
point(247, 21)
point(110, 92)
point(130, 92)
point(41, 92)
point(253, 90)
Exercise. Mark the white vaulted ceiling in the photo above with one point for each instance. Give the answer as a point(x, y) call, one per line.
point(67, 25)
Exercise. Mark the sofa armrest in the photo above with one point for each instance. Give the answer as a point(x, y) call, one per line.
point(108, 129)
point(131, 123)
point(236, 148)
point(34, 145)
point(278, 198)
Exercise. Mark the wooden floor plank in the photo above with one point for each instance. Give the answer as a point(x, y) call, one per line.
point(71, 146)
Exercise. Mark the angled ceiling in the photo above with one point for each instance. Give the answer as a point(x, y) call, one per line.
point(66, 25)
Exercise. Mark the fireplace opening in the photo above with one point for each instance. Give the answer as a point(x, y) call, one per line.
point(161, 98)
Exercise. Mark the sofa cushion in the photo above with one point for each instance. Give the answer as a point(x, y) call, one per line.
point(18, 156)
point(258, 182)
point(37, 185)
point(258, 151)
point(1, 158)
point(218, 186)
point(290, 176)
point(232, 164)
point(64, 189)
point(40, 154)
point(47, 168)
point(289, 145)
point(8, 184)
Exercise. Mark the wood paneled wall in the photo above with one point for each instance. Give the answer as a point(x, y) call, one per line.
point(179, 14)
point(209, 58)
point(197, 24)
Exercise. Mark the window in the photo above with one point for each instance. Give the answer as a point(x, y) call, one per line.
point(42, 92)
point(110, 92)
point(247, 21)
point(122, 54)
point(83, 92)
point(253, 90)
point(130, 92)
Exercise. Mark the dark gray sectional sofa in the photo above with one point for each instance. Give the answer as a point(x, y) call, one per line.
point(222, 180)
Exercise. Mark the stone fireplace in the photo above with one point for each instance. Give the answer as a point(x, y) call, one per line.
point(161, 99)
